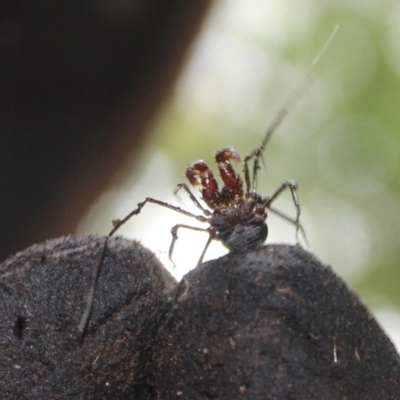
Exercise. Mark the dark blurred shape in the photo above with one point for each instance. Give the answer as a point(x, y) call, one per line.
point(80, 85)
point(271, 324)
point(43, 293)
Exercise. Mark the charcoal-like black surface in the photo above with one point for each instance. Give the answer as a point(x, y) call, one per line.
point(43, 293)
point(271, 324)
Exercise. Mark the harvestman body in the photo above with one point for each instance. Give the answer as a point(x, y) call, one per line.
point(236, 216)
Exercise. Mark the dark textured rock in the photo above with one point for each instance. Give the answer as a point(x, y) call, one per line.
point(271, 324)
point(43, 293)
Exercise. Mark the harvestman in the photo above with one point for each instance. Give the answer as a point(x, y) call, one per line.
point(235, 216)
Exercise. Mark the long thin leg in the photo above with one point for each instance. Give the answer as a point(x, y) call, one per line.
point(117, 224)
point(203, 253)
point(292, 221)
point(293, 189)
point(246, 174)
point(257, 152)
point(252, 187)
point(192, 197)
point(174, 233)
point(292, 186)
point(88, 310)
point(290, 102)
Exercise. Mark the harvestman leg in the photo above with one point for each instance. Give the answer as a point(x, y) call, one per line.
point(192, 197)
point(117, 224)
point(257, 154)
point(292, 186)
point(174, 232)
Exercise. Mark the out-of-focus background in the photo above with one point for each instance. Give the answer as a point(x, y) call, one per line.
point(340, 143)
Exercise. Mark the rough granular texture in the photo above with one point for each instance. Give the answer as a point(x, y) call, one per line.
point(43, 293)
point(271, 324)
